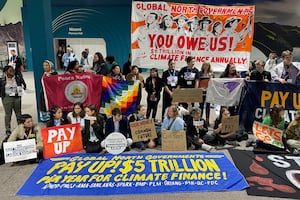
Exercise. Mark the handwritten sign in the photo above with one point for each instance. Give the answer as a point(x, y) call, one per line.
point(143, 130)
point(230, 124)
point(268, 134)
point(188, 95)
point(173, 140)
point(19, 150)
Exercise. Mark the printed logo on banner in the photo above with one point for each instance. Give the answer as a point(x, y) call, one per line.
point(232, 85)
point(76, 91)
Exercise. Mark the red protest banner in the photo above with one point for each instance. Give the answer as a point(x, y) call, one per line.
point(66, 89)
point(268, 134)
point(60, 140)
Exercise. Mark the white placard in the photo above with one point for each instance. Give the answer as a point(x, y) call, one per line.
point(115, 143)
point(19, 150)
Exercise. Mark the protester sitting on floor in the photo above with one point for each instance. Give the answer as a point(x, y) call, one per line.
point(181, 110)
point(77, 115)
point(118, 123)
point(292, 135)
point(28, 130)
point(196, 131)
point(140, 114)
point(274, 119)
point(93, 130)
point(221, 138)
point(56, 117)
point(172, 121)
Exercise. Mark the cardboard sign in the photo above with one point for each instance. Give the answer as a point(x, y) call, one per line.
point(60, 140)
point(143, 130)
point(173, 140)
point(230, 124)
point(187, 95)
point(19, 150)
point(268, 134)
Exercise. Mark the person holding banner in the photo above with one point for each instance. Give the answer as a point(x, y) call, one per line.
point(99, 64)
point(153, 87)
point(220, 137)
point(118, 123)
point(260, 74)
point(286, 72)
point(28, 130)
point(196, 131)
point(170, 81)
point(48, 67)
point(136, 75)
point(93, 130)
point(188, 77)
point(292, 135)
point(56, 117)
point(139, 115)
point(115, 72)
point(230, 72)
point(274, 119)
point(11, 92)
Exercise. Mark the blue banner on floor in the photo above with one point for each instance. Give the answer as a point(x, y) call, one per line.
point(144, 173)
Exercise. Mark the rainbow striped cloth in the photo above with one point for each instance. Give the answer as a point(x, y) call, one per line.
point(118, 94)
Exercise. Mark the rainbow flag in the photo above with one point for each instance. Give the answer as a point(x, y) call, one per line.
point(118, 94)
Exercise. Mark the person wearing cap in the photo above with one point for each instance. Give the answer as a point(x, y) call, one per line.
point(286, 72)
point(230, 31)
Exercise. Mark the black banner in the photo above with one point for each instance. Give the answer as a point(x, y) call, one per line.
point(269, 175)
point(258, 97)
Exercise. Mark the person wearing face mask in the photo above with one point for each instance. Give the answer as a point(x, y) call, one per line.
point(153, 87)
point(11, 91)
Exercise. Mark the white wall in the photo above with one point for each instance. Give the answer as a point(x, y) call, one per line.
point(93, 44)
